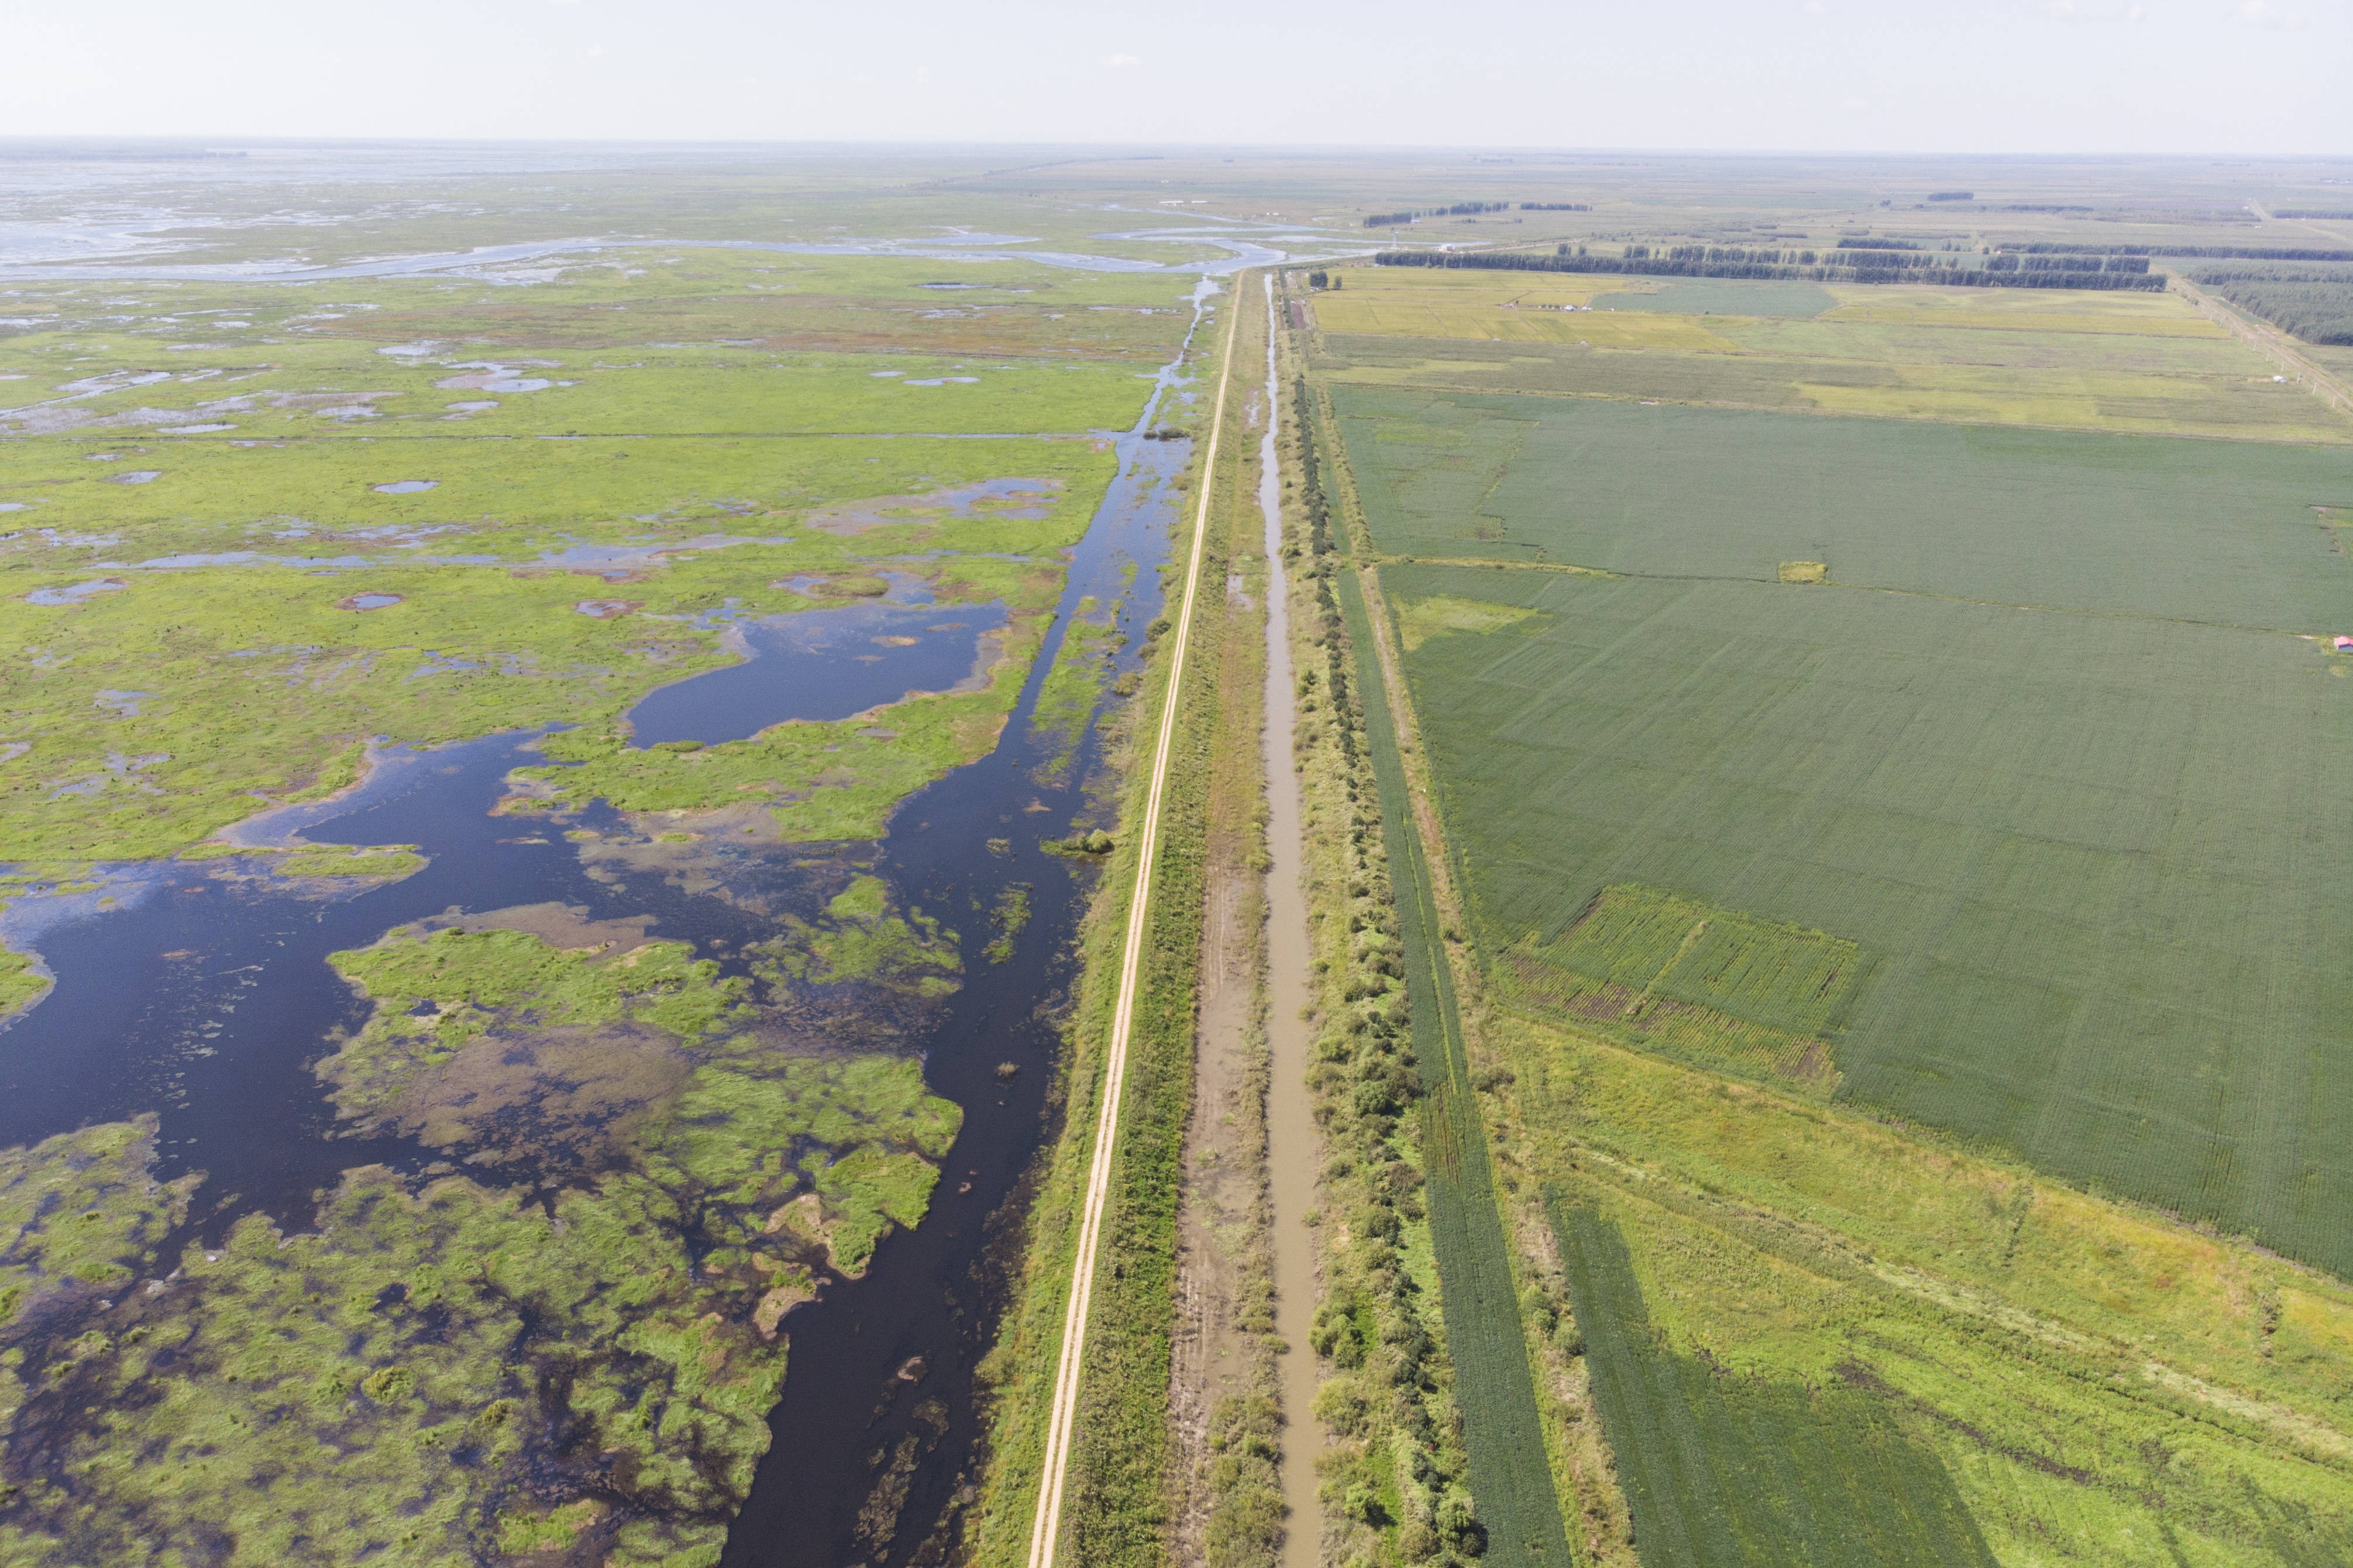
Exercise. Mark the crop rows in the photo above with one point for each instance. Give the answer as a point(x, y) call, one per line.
point(2099, 860)
point(1747, 1472)
point(1510, 1475)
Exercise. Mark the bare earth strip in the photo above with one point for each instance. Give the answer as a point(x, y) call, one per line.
point(1074, 1322)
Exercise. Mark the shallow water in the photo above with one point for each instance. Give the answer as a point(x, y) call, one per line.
point(819, 666)
point(74, 595)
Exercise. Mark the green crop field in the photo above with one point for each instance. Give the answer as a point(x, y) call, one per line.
point(2191, 531)
point(2095, 862)
point(1742, 1471)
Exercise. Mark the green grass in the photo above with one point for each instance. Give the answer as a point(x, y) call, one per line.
point(2095, 861)
point(1742, 1472)
point(2190, 530)
point(2102, 1385)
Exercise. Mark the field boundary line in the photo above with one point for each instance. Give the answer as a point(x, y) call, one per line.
point(1064, 1411)
point(1469, 389)
point(1475, 563)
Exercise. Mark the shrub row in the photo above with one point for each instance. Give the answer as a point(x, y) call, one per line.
point(1867, 267)
point(1394, 1484)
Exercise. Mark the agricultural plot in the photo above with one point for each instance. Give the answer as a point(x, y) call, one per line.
point(1515, 1500)
point(2188, 531)
point(1739, 1472)
point(1692, 979)
point(2094, 863)
point(1754, 1299)
point(2144, 362)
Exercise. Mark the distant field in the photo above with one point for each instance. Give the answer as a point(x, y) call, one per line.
point(2096, 863)
point(2143, 362)
point(1542, 314)
point(1720, 297)
point(2198, 530)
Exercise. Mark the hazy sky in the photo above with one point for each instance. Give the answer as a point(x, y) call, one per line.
point(2000, 76)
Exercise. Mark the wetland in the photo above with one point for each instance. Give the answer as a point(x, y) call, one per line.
point(507, 1075)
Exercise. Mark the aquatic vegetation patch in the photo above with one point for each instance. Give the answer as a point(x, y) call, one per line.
point(381, 860)
point(823, 781)
point(21, 984)
point(506, 983)
point(861, 938)
point(266, 672)
point(443, 1375)
point(1011, 913)
point(1073, 686)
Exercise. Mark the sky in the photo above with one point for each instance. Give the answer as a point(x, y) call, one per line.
point(2253, 77)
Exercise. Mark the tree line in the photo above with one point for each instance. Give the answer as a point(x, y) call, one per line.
point(1863, 266)
point(2314, 303)
point(2010, 262)
point(1460, 209)
point(2230, 252)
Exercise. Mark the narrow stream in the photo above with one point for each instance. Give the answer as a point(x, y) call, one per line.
point(1292, 1146)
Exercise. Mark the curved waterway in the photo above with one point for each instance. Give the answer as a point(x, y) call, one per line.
point(205, 996)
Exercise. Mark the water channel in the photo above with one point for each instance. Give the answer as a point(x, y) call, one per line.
point(203, 996)
point(1292, 1144)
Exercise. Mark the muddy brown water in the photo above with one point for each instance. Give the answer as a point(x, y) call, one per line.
point(1294, 1150)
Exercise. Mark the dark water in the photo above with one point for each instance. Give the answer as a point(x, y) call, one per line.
point(819, 665)
point(206, 996)
point(848, 1420)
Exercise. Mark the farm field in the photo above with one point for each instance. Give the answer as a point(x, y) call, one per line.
point(2144, 363)
point(2191, 531)
point(2087, 859)
point(1899, 866)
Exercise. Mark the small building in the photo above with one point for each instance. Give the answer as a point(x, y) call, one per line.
point(2345, 645)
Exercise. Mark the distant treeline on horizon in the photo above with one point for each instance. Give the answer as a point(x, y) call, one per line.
point(1865, 265)
point(1468, 210)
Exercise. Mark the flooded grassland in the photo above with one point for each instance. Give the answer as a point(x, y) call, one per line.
point(531, 866)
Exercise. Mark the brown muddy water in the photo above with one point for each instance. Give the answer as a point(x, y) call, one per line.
point(1292, 1148)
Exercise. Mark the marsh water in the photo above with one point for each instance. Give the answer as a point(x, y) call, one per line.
point(203, 993)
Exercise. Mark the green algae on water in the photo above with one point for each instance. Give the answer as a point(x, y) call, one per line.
point(859, 938)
